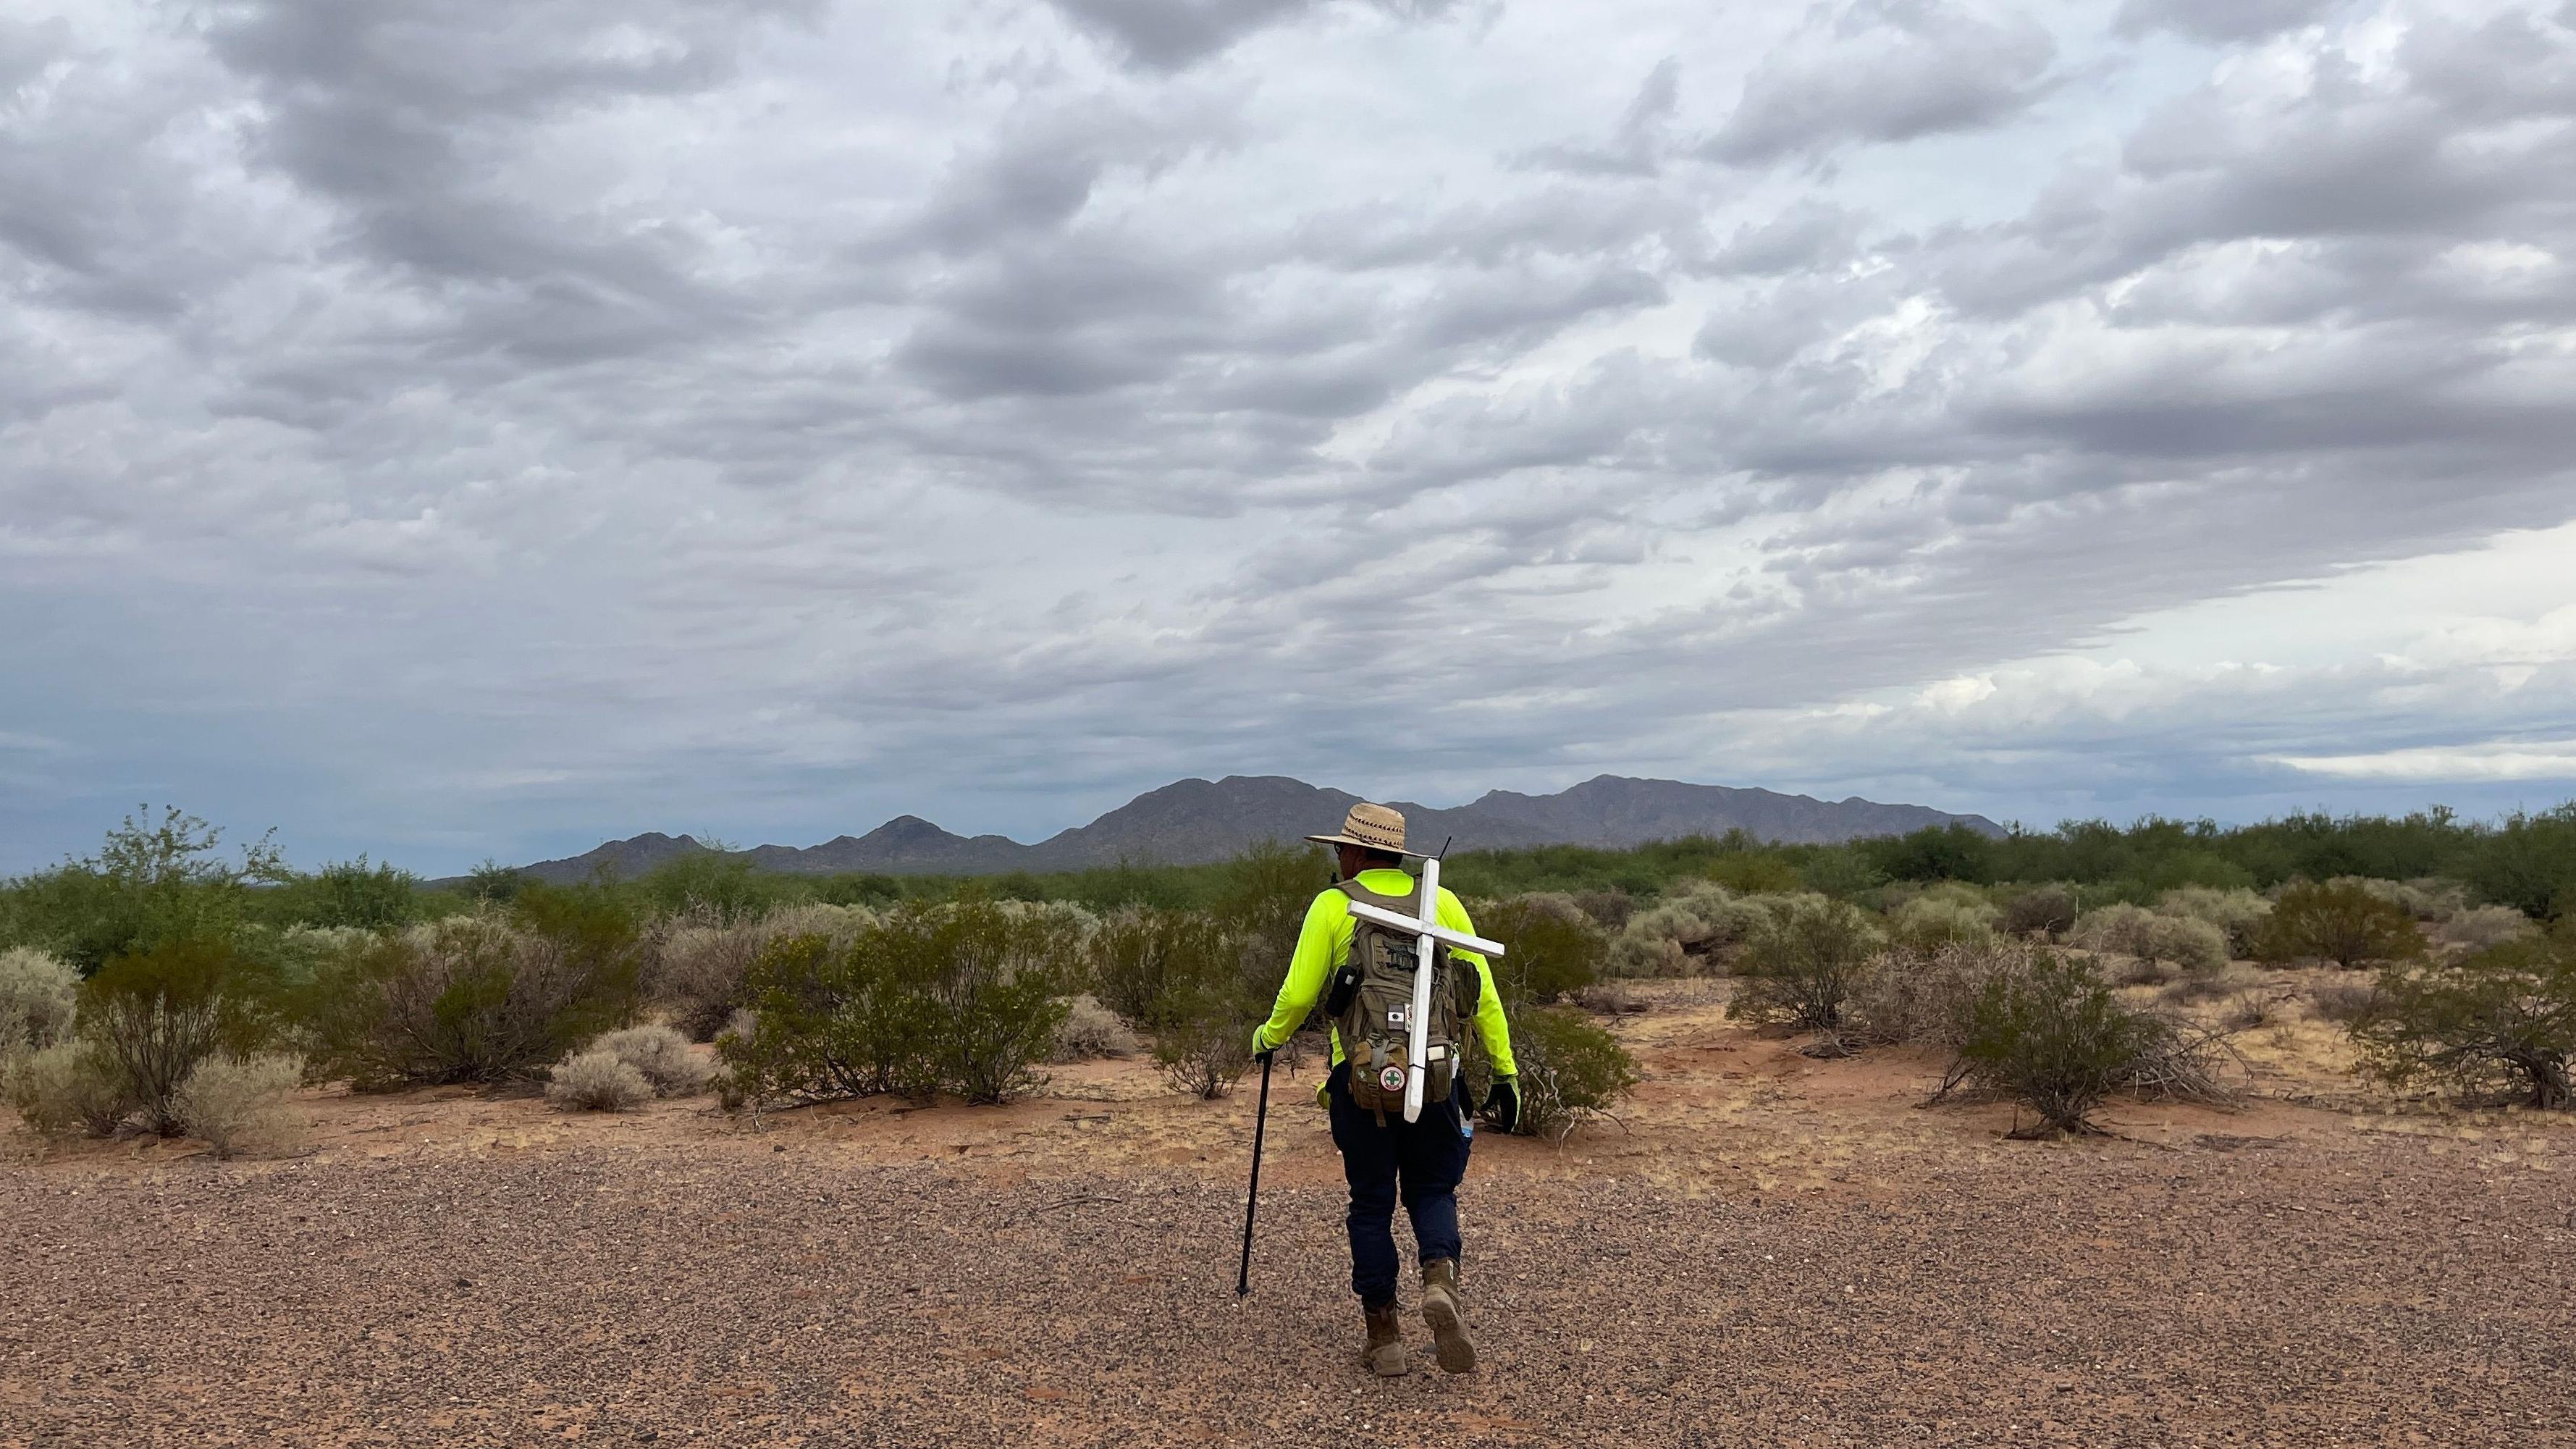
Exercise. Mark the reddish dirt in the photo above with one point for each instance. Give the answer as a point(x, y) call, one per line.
point(1773, 1250)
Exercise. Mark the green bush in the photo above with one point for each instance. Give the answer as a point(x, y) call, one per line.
point(2340, 922)
point(1139, 954)
point(158, 1012)
point(468, 999)
point(2504, 1018)
point(2054, 1037)
point(694, 962)
point(1570, 1070)
point(150, 882)
point(959, 998)
point(1930, 1000)
point(37, 998)
point(1554, 949)
point(2529, 863)
point(351, 893)
point(70, 1087)
point(1802, 961)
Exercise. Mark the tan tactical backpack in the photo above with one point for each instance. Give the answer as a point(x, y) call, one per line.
point(1374, 1022)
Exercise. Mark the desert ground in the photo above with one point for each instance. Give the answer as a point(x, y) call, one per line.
point(1766, 1249)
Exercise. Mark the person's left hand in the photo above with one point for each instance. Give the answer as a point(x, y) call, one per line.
point(1503, 1103)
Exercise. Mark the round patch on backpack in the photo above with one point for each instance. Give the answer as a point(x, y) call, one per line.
point(1391, 1080)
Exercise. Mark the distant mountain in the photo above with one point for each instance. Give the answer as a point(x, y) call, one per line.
point(1191, 821)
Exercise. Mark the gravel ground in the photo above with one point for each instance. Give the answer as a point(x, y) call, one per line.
point(2345, 1287)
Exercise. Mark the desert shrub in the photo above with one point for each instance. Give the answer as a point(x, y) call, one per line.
point(661, 1054)
point(2056, 1039)
point(67, 1088)
point(2047, 910)
point(1570, 1071)
point(232, 1103)
point(1802, 962)
point(2340, 922)
point(1946, 915)
point(2247, 1010)
point(1555, 949)
point(2341, 1001)
point(37, 997)
point(1091, 1030)
point(1757, 873)
point(1137, 954)
point(2239, 913)
point(1929, 1000)
point(1609, 909)
point(1265, 892)
point(1204, 1046)
point(2154, 940)
point(157, 1013)
point(1683, 934)
point(466, 999)
point(2504, 1018)
point(597, 1081)
point(695, 960)
point(2478, 928)
point(958, 998)
point(2426, 898)
point(293, 957)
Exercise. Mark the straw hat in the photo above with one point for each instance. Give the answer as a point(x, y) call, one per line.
point(1374, 826)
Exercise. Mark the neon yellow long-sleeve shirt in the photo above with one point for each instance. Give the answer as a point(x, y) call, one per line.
point(1326, 941)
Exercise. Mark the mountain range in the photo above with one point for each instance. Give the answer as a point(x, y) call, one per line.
point(1192, 821)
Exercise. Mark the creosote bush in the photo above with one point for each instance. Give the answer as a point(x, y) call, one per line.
point(2503, 1019)
point(597, 1081)
point(1555, 950)
point(68, 1088)
point(2484, 926)
point(157, 1013)
point(2340, 921)
point(1802, 961)
point(661, 1054)
point(2342, 1001)
point(1911, 999)
point(695, 960)
point(960, 998)
point(2055, 1038)
point(1571, 1070)
point(37, 997)
point(236, 1104)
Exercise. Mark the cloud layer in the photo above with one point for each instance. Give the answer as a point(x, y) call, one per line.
point(771, 416)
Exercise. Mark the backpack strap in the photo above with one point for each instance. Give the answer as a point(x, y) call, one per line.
point(1409, 902)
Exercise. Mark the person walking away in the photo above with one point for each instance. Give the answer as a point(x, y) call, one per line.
point(1365, 973)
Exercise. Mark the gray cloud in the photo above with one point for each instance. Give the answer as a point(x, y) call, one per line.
point(2221, 21)
point(1172, 35)
point(775, 418)
point(1884, 71)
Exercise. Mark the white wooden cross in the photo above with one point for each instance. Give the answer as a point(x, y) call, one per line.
point(1428, 934)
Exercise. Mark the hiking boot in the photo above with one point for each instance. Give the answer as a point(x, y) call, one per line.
point(1447, 1321)
point(1385, 1351)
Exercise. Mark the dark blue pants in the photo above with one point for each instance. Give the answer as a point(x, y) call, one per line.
point(1419, 1162)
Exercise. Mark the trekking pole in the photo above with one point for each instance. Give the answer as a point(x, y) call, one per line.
point(1251, 1196)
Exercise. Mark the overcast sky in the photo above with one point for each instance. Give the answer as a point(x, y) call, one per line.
point(768, 417)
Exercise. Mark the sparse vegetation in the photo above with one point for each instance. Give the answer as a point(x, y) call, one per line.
point(1687, 934)
point(2342, 922)
point(157, 1013)
point(1555, 948)
point(1948, 914)
point(2501, 1020)
point(661, 1055)
point(2154, 940)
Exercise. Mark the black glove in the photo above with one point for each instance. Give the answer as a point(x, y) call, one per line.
point(1503, 1104)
